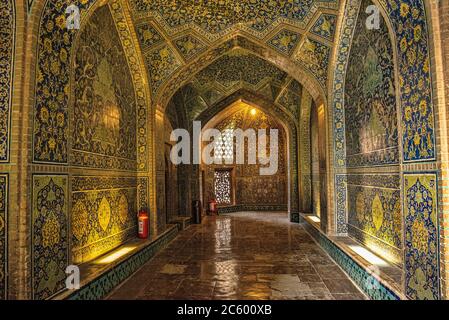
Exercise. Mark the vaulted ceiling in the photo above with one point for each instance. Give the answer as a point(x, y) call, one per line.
point(172, 34)
point(233, 72)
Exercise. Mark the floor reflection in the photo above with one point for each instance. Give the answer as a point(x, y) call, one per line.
point(247, 256)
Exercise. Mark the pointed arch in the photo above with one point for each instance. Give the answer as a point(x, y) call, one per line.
point(185, 74)
point(287, 123)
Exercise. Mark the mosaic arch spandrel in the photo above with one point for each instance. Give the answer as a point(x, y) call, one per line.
point(52, 84)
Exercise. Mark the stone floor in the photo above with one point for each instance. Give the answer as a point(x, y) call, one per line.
point(240, 256)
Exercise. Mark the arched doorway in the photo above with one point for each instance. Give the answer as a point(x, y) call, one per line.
point(245, 174)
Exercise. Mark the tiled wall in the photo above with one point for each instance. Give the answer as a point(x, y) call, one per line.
point(374, 210)
point(367, 137)
point(102, 216)
point(50, 227)
point(90, 209)
point(422, 274)
point(51, 152)
point(249, 187)
point(375, 218)
point(103, 137)
point(3, 234)
point(7, 58)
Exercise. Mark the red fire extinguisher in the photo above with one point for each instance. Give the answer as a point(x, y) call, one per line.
point(142, 221)
point(212, 206)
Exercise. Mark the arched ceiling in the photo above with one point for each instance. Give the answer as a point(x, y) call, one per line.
point(233, 72)
point(243, 116)
point(174, 33)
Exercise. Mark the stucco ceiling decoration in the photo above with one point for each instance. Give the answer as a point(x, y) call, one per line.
point(173, 34)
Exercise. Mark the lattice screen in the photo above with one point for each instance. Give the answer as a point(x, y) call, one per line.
point(223, 186)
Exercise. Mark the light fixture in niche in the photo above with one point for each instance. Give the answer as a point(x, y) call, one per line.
point(369, 256)
point(114, 256)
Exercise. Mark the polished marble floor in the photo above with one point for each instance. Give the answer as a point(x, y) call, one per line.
point(240, 256)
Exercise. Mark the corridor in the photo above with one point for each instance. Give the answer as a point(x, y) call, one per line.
point(249, 256)
point(123, 119)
